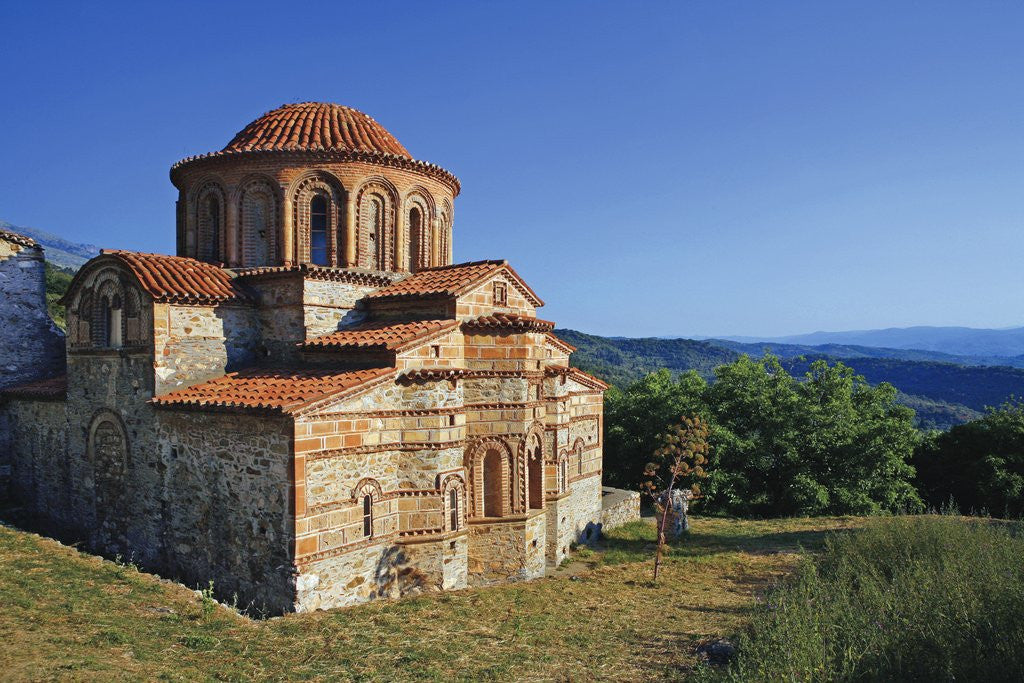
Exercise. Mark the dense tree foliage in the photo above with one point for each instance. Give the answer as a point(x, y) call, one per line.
point(826, 443)
point(57, 282)
point(977, 466)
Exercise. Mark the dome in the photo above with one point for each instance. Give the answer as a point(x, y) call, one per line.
point(316, 126)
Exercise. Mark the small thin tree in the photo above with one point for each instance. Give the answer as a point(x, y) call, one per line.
point(680, 457)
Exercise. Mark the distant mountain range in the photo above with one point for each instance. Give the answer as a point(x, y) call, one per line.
point(942, 388)
point(59, 251)
point(959, 341)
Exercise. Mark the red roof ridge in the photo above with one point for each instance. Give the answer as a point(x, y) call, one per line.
point(384, 335)
point(175, 279)
point(282, 390)
point(452, 280)
point(51, 388)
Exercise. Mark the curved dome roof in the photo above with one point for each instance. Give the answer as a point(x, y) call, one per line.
point(316, 126)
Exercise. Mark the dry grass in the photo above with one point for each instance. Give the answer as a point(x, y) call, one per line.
point(68, 615)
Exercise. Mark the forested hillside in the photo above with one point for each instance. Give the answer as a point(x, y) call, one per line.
point(942, 394)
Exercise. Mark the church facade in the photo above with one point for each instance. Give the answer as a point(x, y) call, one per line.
point(309, 404)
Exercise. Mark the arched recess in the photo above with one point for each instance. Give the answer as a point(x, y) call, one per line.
point(376, 242)
point(108, 453)
point(490, 466)
point(418, 213)
point(258, 223)
point(453, 497)
point(444, 236)
point(366, 494)
point(208, 208)
point(577, 457)
point(107, 310)
point(318, 219)
point(533, 456)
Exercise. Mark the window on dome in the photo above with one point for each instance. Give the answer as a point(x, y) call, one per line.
point(318, 226)
point(209, 227)
point(415, 239)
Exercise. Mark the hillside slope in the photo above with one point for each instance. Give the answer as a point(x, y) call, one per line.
point(59, 251)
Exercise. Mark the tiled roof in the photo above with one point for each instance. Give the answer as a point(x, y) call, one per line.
point(269, 389)
point(384, 336)
point(576, 374)
point(179, 279)
point(450, 281)
point(359, 276)
point(510, 321)
point(17, 239)
point(560, 343)
point(44, 389)
point(316, 126)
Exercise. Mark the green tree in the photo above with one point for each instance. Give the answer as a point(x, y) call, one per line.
point(978, 465)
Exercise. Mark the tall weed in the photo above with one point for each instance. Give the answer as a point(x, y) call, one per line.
point(931, 598)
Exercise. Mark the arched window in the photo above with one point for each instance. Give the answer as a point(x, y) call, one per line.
point(444, 230)
point(367, 516)
point(415, 256)
point(318, 229)
point(113, 315)
point(453, 509)
point(493, 506)
point(373, 227)
point(563, 475)
point(101, 323)
point(535, 462)
point(209, 227)
point(257, 225)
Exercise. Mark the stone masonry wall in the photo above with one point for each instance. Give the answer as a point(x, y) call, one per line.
point(574, 518)
point(196, 343)
point(31, 346)
point(510, 550)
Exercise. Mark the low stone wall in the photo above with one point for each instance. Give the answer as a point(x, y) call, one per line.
point(501, 551)
point(618, 507)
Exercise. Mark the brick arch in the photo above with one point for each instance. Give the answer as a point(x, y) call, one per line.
point(444, 229)
point(532, 467)
point(454, 483)
point(302, 191)
point(367, 485)
point(419, 240)
point(376, 235)
point(257, 200)
point(491, 466)
point(205, 238)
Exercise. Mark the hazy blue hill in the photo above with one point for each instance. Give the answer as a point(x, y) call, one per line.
point(943, 394)
point(59, 251)
point(962, 341)
point(856, 351)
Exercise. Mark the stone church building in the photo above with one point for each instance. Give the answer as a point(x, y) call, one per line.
point(310, 404)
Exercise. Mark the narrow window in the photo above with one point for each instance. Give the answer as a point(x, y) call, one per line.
point(213, 231)
point(579, 463)
point(435, 351)
point(563, 475)
point(367, 516)
point(318, 230)
point(415, 239)
point(114, 323)
point(500, 294)
point(453, 509)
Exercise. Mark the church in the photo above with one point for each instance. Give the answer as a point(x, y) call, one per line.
point(309, 404)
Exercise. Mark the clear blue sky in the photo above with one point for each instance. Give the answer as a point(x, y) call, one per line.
point(671, 168)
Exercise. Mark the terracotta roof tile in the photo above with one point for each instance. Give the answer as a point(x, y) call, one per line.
point(178, 279)
point(576, 374)
point(450, 281)
point(384, 336)
point(316, 126)
point(43, 389)
point(271, 389)
point(18, 239)
point(335, 274)
point(510, 321)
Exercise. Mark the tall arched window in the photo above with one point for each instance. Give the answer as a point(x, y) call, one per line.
point(373, 227)
point(563, 475)
point(318, 229)
point(114, 323)
point(101, 323)
point(492, 484)
point(367, 516)
point(535, 462)
point(453, 509)
point(415, 255)
point(444, 239)
point(209, 227)
point(257, 225)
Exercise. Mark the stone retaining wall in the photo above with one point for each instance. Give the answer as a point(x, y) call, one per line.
point(619, 507)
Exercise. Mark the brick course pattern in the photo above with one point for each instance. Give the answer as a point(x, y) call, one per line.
point(309, 435)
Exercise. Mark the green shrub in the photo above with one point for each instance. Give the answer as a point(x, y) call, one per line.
point(935, 598)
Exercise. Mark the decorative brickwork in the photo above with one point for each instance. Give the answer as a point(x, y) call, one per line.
point(310, 405)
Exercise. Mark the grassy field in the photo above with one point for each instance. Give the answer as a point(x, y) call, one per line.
point(68, 615)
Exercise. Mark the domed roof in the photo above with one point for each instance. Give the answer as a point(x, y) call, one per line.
point(316, 126)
